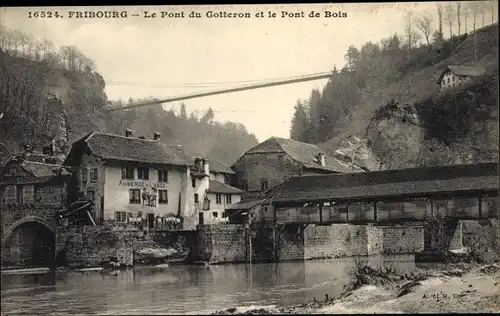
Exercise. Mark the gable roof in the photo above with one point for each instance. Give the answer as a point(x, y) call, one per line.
point(483, 176)
point(462, 71)
point(38, 172)
point(219, 187)
point(303, 153)
point(117, 147)
point(189, 156)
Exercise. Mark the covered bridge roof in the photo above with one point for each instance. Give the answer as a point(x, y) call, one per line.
point(414, 181)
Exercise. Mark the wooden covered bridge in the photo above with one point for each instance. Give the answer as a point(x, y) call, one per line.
point(458, 192)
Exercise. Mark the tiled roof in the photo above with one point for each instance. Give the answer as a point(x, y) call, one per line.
point(463, 71)
point(482, 176)
point(117, 147)
point(244, 205)
point(219, 187)
point(189, 156)
point(303, 153)
point(42, 169)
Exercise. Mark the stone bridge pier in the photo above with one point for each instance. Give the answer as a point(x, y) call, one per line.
point(347, 240)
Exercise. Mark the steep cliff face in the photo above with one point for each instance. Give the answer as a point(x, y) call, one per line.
point(455, 127)
point(38, 98)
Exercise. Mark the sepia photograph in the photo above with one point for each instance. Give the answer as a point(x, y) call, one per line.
point(328, 158)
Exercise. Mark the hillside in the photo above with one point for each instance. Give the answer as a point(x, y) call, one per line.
point(46, 96)
point(409, 79)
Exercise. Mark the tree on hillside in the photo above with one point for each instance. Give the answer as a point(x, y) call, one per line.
point(352, 57)
point(474, 8)
point(465, 12)
point(183, 114)
point(208, 117)
point(26, 102)
point(458, 6)
point(315, 108)
point(424, 24)
point(490, 5)
point(440, 18)
point(412, 37)
point(300, 123)
point(449, 17)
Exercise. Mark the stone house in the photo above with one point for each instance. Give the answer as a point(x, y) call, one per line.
point(453, 75)
point(142, 182)
point(278, 159)
point(32, 192)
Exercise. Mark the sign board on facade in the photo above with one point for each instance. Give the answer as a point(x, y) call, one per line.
point(143, 184)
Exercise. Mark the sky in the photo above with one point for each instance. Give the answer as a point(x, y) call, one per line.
point(143, 57)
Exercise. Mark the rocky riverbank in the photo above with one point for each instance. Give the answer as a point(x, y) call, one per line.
point(454, 288)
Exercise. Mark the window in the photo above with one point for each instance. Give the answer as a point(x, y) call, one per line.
point(128, 173)
point(143, 173)
point(162, 175)
point(85, 175)
point(93, 175)
point(218, 198)
point(193, 182)
point(121, 217)
point(163, 196)
point(263, 184)
point(280, 159)
point(196, 199)
point(91, 195)
point(244, 184)
point(10, 194)
point(135, 196)
point(228, 198)
point(28, 194)
point(215, 214)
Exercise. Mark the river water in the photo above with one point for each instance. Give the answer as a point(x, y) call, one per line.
point(181, 289)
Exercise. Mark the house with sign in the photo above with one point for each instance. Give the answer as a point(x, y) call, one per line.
point(143, 182)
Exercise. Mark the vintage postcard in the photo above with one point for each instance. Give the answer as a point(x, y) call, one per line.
point(250, 159)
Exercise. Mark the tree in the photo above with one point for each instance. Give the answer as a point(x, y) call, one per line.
point(465, 12)
point(208, 117)
point(474, 7)
point(449, 16)
point(440, 18)
point(458, 5)
point(424, 24)
point(183, 114)
point(408, 27)
point(352, 57)
point(300, 122)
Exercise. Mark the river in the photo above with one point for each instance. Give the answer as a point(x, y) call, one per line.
point(180, 289)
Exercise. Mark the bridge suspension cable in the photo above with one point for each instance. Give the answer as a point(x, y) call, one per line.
point(316, 76)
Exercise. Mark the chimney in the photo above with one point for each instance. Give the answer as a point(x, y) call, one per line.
point(198, 163)
point(128, 133)
point(156, 136)
point(53, 147)
point(321, 159)
point(206, 168)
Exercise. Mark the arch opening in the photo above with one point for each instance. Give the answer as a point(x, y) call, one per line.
point(31, 244)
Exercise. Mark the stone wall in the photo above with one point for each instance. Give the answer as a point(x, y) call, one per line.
point(290, 245)
point(403, 239)
point(335, 241)
point(91, 246)
point(345, 240)
point(223, 243)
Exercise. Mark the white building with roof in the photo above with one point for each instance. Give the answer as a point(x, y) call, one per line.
point(142, 181)
point(453, 75)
